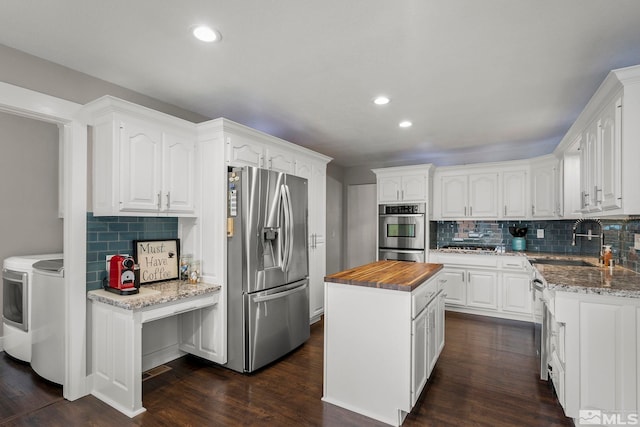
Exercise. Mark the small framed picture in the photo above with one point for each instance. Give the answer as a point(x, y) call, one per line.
point(158, 259)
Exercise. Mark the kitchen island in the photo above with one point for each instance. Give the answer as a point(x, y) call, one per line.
point(116, 335)
point(383, 333)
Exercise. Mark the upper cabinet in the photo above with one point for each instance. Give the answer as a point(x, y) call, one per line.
point(515, 193)
point(143, 160)
point(403, 184)
point(243, 150)
point(605, 136)
point(469, 196)
point(545, 188)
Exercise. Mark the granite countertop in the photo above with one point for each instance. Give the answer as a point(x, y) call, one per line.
point(153, 294)
point(394, 275)
point(617, 281)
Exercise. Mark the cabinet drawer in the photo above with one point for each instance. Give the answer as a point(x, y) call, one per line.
point(424, 293)
point(514, 263)
point(469, 260)
point(178, 307)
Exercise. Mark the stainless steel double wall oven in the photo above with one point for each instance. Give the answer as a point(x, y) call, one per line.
point(401, 232)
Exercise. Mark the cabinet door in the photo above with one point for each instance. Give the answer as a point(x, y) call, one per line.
point(610, 139)
point(589, 168)
point(455, 287)
point(454, 196)
point(440, 323)
point(414, 187)
point(483, 195)
point(419, 354)
point(200, 333)
point(140, 171)
point(178, 174)
point(516, 293)
point(243, 152)
point(316, 242)
point(432, 347)
point(279, 160)
point(482, 289)
point(514, 194)
point(389, 188)
point(543, 197)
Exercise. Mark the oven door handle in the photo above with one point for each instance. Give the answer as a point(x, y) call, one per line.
point(403, 251)
point(401, 215)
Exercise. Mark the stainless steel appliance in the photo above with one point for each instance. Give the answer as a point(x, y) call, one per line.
point(267, 267)
point(402, 232)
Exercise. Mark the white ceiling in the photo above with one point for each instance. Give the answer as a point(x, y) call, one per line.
point(481, 80)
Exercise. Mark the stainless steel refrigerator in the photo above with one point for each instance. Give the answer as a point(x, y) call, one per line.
point(267, 266)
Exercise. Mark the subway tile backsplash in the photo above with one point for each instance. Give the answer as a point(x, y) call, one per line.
point(108, 235)
point(558, 236)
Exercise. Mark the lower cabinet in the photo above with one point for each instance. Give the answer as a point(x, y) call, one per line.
point(377, 362)
point(200, 334)
point(594, 358)
point(482, 289)
point(488, 284)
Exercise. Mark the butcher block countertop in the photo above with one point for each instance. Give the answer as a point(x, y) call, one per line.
point(394, 275)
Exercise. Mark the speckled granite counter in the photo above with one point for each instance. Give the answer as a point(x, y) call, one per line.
point(394, 275)
point(619, 281)
point(153, 294)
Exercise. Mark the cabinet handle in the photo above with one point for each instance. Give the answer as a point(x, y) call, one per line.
point(168, 199)
point(465, 211)
point(270, 163)
point(462, 274)
point(469, 276)
point(402, 193)
point(596, 191)
point(159, 200)
point(505, 210)
point(533, 210)
point(397, 194)
point(470, 210)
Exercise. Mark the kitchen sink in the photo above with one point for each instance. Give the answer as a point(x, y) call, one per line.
point(568, 262)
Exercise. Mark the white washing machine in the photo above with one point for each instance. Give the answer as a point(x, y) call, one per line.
point(47, 340)
point(17, 290)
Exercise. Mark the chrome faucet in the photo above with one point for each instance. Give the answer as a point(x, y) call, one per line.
point(589, 234)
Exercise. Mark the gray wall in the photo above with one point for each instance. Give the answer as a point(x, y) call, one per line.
point(29, 191)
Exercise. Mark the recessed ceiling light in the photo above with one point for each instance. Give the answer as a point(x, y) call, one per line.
point(405, 124)
point(381, 100)
point(206, 34)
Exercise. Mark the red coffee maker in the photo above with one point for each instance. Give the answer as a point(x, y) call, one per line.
point(122, 275)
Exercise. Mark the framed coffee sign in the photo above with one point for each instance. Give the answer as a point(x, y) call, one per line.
point(158, 259)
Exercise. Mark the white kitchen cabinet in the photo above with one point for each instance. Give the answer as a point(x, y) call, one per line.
point(543, 188)
point(609, 132)
point(517, 293)
point(420, 354)
point(515, 194)
point(593, 352)
point(200, 333)
point(482, 289)
point(455, 287)
point(489, 284)
point(317, 239)
point(143, 160)
point(403, 184)
point(469, 196)
point(243, 150)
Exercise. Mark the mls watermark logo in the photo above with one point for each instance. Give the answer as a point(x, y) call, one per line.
point(608, 418)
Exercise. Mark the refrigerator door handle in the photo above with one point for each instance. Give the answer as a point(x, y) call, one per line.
point(279, 294)
point(286, 256)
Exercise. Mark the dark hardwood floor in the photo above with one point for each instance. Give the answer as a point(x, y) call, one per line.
point(486, 376)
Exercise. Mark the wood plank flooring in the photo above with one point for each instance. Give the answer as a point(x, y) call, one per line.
point(486, 376)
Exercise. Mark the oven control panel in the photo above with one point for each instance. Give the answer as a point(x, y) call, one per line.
point(418, 208)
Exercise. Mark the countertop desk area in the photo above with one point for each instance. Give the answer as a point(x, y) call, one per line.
point(383, 333)
point(116, 335)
